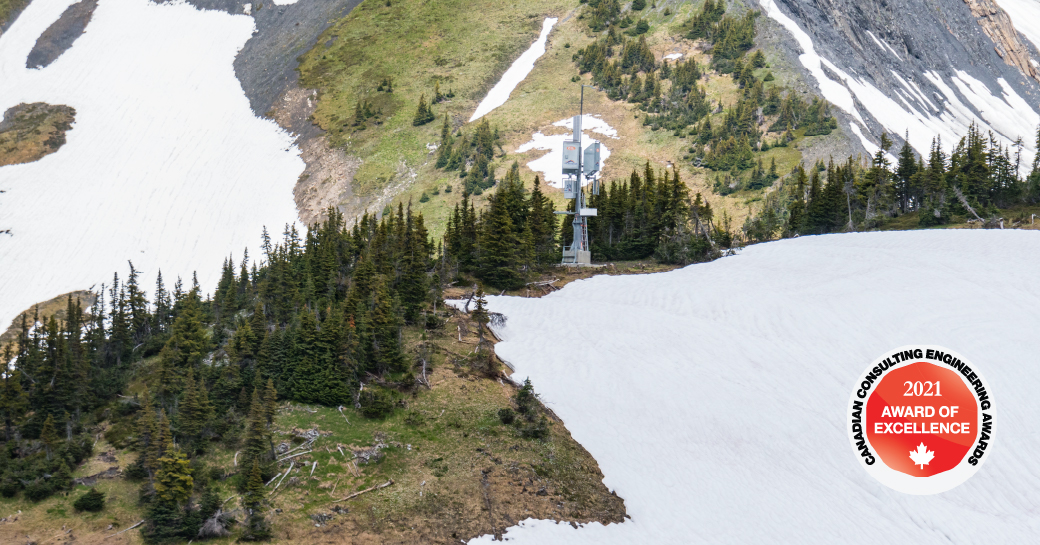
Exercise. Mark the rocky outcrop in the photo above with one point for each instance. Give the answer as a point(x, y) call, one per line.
point(60, 36)
point(29, 132)
point(922, 68)
point(997, 25)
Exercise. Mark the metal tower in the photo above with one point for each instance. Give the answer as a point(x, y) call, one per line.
point(579, 164)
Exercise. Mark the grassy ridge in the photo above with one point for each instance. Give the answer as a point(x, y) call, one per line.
point(465, 45)
point(462, 44)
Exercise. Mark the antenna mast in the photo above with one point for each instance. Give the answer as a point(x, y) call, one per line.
point(579, 164)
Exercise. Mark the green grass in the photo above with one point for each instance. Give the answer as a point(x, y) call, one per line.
point(465, 45)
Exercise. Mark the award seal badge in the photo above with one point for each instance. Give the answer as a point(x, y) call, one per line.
point(921, 419)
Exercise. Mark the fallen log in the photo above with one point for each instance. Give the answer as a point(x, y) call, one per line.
point(356, 494)
point(295, 455)
point(127, 530)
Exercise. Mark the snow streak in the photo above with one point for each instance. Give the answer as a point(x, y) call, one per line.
point(521, 67)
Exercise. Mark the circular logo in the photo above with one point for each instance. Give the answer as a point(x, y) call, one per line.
point(921, 419)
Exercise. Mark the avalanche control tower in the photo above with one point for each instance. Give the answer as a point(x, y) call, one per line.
point(579, 164)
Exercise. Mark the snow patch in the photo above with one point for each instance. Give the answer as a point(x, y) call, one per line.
point(166, 164)
point(884, 46)
point(673, 56)
point(713, 396)
point(521, 67)
point(551, 163)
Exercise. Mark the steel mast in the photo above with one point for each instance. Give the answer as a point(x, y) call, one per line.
point(579, 164)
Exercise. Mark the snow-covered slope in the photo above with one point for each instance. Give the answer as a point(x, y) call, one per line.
point(165, 166)
point(924, 68)
point(713, 397)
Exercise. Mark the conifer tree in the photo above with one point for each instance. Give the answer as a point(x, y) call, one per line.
point(423, 114)
point(257, 528)
point(386, 329)
point(184, 349)
point(499, 244)
point(48, 436)
point(257, 446)
point(270, 402)
point(173, 480)
point(161, 439)
point(13, 400)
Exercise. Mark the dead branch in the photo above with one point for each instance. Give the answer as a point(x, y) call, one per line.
point(295, 455)
point(313, 467)
point(356, 494)
point(334, 487)
point(127, 530)
point(291, 464)
point(964, 202)
point(273, 478)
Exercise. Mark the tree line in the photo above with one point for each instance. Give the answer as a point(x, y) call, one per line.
point(978, 179)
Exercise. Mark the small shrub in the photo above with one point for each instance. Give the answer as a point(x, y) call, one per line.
point(376, 403)
point(413, 417)
point(667, 12)
point(567, 45)
point(38, 490)
point(507, 416)
point(538, 429)
point(424, 197)
point(447, 189)
point(92, 501)
point(638, 5)
point(9, 487)
point(136, 471)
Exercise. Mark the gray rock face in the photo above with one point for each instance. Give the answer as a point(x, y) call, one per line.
point(266, 66)
point(930, 58)
point(59, 36)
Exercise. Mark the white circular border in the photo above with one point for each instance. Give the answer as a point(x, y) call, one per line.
point(898, 480)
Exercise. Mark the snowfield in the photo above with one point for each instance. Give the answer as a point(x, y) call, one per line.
point(714, 396)
point(166, 164)
point(521, 67)
point(549, 165)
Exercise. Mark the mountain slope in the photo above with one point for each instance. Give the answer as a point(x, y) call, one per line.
point(922, 67)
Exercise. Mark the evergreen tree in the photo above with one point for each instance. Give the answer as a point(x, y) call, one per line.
point(257, 528)
point(257, 448)
point(13, 400)
point(185, 348)
point(270, 402)
point(904, 175)
point(173, 480)
point(49, 437)
point(423, 114)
